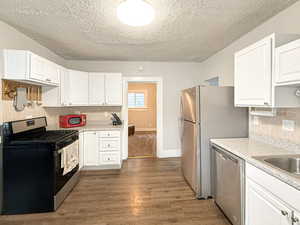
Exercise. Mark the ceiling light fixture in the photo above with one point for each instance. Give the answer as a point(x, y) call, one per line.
point(135, 13)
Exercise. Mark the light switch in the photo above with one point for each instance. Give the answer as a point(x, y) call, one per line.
point(288, 125)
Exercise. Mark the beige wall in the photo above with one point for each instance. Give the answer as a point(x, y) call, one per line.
point(222, 64)
point(175, 75)
point(144, 119)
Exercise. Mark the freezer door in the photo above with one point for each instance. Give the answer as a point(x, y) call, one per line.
point(189, 154)
point(189, 99)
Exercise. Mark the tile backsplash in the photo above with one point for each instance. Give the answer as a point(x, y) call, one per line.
point(270, 129)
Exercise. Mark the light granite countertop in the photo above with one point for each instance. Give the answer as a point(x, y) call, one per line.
point(91, 126)
point(247, 149)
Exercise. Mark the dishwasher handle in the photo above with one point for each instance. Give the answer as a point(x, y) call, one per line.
point(225, 156)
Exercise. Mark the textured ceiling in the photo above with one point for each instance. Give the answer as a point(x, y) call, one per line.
point(183, 30)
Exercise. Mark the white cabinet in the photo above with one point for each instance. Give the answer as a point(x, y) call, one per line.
point(78, 88)
point(57, 96)
point(255, 73)
point(81, 150)
point(102, 149)
point(269, 200)
point(28, 67)
point(263, 208)
point(287, 66)
point(113, 89)
point(90, 146)
point(96, 89)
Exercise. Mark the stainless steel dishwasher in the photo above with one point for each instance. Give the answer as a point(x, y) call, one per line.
point(229, 185)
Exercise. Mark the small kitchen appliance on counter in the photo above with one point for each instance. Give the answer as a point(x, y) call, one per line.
point(72, 120)
point(34, 177)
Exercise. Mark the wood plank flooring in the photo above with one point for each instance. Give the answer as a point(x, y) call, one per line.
point(142, 144)
point(144, 192)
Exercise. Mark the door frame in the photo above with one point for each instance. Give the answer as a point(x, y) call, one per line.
point(159, 112)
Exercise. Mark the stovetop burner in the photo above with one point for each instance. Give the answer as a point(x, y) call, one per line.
point(50, 136)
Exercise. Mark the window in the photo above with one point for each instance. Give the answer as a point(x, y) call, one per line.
point(136, 100)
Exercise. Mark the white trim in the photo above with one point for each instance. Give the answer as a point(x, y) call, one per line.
point(159, 119)
point(170, 153)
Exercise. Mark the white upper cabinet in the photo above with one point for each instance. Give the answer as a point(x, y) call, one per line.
point(287, 66)
point(57, 96)
point(96, 89)
point(255, 72)
point(78, 88)
point(28, 67)
point(113, 89)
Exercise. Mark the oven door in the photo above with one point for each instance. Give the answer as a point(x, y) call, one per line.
point(60, 178)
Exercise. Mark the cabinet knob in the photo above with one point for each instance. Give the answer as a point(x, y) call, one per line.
point(265, 103)
point(284, 213)
point(295, 220)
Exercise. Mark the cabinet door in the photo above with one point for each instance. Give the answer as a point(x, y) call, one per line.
point(78, 88)
point(91, 152)
point(37, 68)
point(287, 63)
point(64, 86)
point(52, 72)
point(262, 208)
point(114, 89)
point(96, 89)
point(81, 150)
point(253, 74)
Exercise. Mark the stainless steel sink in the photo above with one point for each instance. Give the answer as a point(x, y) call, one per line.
point(290, 163)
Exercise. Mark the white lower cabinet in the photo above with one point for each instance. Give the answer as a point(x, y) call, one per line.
point(90, 148)
point(263, 209)
point(269, 201)
point(102, 149)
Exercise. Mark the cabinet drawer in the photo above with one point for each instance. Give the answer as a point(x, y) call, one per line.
point(110, 134)
point(109, 144)
point(109, 158)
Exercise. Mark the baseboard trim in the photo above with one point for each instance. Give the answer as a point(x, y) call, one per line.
point(170, 153)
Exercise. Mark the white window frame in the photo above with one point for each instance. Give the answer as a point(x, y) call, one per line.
point(145, 92)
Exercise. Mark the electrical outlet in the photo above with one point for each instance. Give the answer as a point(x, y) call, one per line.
point(288, 125)
point(255, 120)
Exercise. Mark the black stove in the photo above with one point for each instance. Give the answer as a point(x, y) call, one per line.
point(33, 178)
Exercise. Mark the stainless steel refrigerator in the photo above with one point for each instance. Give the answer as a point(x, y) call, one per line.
point(207, 112)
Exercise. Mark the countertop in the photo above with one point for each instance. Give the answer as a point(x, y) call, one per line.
point(91, 126)
point(247, 149)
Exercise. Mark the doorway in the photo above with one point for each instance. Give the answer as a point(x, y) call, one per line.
point(142, 119)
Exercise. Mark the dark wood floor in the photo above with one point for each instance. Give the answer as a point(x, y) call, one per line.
point(144, 192)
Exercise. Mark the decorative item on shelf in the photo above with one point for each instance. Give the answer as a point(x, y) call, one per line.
point(33, 92)
point(20, 99)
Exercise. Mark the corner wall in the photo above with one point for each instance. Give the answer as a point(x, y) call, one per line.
point(222, 63)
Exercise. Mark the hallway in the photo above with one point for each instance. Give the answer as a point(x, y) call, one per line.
point(144, 192)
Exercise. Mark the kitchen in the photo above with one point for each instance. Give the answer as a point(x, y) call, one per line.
point(154, 191)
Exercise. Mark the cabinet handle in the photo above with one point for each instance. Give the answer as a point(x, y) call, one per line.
point(265, 103)
point(48, 79)
point(284, 213)
point(295, 220)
